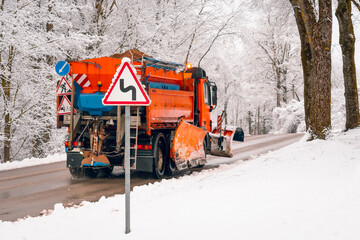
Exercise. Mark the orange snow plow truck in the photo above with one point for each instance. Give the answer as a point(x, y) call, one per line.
point(171, 134)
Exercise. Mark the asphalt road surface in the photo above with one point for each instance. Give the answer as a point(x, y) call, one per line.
point(33, 191)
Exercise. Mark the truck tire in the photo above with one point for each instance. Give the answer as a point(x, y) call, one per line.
point(202, 165)
point(91, 173)
point(159, 156)
point(170, 167)
point(106, 172)
point(76, 172)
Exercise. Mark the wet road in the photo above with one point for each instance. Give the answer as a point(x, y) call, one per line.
point(30, 190)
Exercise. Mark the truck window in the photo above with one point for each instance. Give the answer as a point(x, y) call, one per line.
point(206, 94)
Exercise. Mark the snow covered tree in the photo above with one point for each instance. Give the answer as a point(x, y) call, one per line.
point(314, 23)
point(34, 35)
point(277, 39)
point(347, 42)
point(25, 76)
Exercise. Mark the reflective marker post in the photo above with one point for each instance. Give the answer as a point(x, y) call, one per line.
point(127, 169)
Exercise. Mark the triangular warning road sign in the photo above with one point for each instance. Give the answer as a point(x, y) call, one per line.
point(125, 88)
point(65, 106)
point(63, 88)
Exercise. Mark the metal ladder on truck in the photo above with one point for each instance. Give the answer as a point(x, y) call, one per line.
point(134, 139)
point(135, 124)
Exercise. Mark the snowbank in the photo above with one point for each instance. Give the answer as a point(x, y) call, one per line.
point(27, 162)
point(308, 190)
point(289, 119)
point(338, 110)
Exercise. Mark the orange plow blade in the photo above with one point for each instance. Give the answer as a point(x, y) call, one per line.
point(221, 143)
point(188, 146)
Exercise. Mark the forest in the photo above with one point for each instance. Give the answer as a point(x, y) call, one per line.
point(252, 49)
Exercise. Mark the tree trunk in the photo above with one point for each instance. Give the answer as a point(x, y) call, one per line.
point(264, 126)
point(315, 36)
point(258, 121)
point(306, 57)
point(6, 85)
point(347, 42)
point(284, 88)
point(7, 141)
point(225, 110)
point(278, 90)
point(284, 70)
point(321, 84)
point(249, 120)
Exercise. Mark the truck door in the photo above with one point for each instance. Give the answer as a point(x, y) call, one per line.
point(204, 104)
point(202, 98)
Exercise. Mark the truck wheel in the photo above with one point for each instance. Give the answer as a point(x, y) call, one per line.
point(202, 165)
point(91, 173)
point(106, 172)
point(76, 172)
point(170, 167)
point(159, 157)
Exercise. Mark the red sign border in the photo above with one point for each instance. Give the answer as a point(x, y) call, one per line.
point(62, 100)
point(63, 94)
point(147, 101)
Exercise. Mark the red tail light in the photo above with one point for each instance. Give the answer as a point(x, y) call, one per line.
point(78, 144)
point(66, 144)
point(142, 147)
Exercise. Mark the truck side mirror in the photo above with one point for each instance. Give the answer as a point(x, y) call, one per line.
point(213, 95)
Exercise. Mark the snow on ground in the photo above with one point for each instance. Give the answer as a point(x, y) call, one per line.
point(308, 190)
point(27, 162)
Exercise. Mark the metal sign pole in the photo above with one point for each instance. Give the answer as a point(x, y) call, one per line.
point(116, 95)
point(127, 169)
point(71, 133)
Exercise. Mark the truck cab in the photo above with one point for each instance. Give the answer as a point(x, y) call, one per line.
point(205, 97)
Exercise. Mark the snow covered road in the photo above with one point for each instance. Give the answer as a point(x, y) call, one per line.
point(254, 146)
point(29, 190)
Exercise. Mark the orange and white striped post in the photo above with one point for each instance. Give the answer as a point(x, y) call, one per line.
point(219, 122)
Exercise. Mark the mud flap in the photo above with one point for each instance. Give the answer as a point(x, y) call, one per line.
point(188, 146)
point(92, 160)
point(221, 143)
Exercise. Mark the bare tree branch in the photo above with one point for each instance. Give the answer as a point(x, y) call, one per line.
point(218, 34)
point(357, 5)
